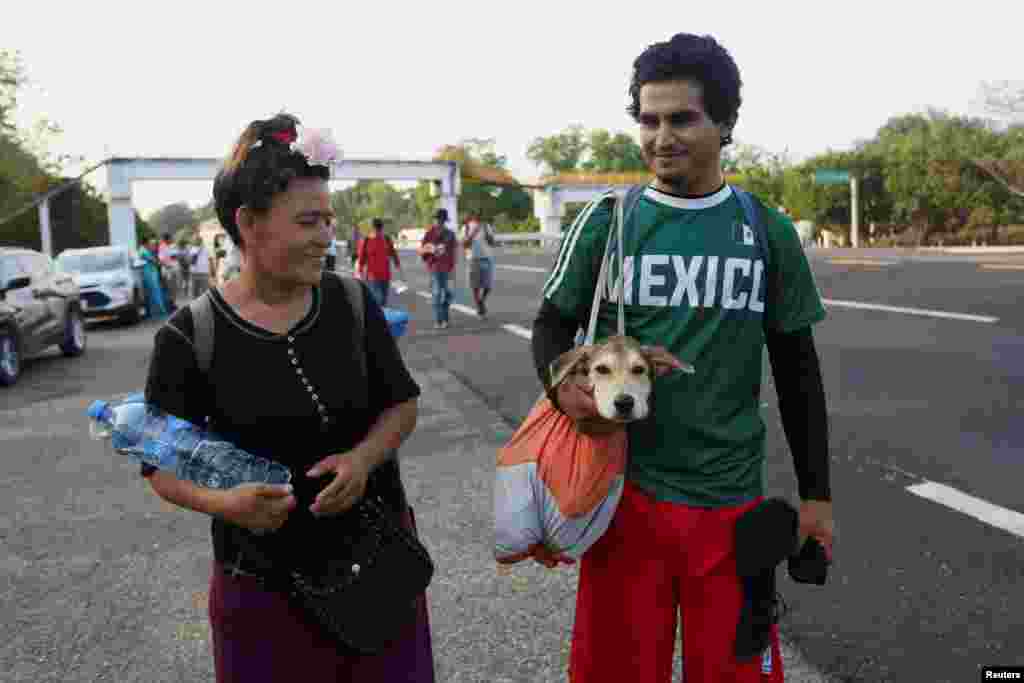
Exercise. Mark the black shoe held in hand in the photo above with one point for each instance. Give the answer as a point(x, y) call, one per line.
point(811, 564)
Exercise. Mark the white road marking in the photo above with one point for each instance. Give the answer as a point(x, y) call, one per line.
point(860, 262)
point(518, 330)
point(911, 311)
point(465, 309)
point(528, 269)
point(1001, 518)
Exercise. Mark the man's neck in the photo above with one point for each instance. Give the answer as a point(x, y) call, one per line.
point(700, 186)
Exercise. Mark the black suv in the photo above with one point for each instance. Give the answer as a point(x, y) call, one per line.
point(38, 308)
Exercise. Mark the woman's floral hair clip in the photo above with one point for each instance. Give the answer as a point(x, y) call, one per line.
point(316, 144)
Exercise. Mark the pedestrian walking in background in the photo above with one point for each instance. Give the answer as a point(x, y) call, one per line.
point(156, 304)
point(437, 249)
point(183, 260)
point(201, 267)
point(353, 245)
point(376, 254)
point(478, 240)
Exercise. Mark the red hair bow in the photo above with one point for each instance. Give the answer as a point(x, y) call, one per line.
point(285, 136)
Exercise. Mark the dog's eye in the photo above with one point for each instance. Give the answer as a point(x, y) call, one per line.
point(639, 370)
point(603, 369)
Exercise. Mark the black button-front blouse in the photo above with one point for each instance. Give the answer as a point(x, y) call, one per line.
point(294, 398)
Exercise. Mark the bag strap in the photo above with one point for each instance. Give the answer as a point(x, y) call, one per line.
point(602, 274)
point(622, 211)
point(354, 291)
point(202, 330)
point(753, 217)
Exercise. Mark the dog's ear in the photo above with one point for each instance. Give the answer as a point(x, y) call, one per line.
point(661, 361)
point(567, 363)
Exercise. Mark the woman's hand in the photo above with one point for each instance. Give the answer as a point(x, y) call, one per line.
point(351, 471)
point(549, 558)
point(258, 507)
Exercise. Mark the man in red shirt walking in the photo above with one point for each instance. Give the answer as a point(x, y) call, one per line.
point(375, 256)
point(438, 252)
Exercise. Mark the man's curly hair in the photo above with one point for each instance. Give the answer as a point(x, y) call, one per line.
point(696, 58)
point(252, 176)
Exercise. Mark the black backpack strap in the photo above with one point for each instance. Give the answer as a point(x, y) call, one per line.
point(354, 291)
point(202, 330)
point(391, 471)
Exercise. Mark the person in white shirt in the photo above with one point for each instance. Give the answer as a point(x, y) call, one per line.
point(477, 238)
point(199, 258)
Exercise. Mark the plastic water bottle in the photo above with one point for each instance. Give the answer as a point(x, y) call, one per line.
point(150, 436)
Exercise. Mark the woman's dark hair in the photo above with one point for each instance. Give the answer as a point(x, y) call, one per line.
point(252, 176)
point(695, 58)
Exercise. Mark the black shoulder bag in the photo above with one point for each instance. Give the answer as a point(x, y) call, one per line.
point(364, 594)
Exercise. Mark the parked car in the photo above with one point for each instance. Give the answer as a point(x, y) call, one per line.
point(110, 282)
point(39, 307)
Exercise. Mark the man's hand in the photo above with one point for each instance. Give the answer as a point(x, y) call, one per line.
point(576, 399)
point(351, 471)
point(816, 521)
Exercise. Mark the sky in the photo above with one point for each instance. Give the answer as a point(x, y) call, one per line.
point(396, 80)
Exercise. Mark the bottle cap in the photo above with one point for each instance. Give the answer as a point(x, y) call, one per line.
point(97, 409)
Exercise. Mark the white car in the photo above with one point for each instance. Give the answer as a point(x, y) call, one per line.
point(109, 280)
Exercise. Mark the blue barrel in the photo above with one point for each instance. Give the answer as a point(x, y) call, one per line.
point(397, 321)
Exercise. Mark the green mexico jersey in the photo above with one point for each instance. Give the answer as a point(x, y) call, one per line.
point(696, 283)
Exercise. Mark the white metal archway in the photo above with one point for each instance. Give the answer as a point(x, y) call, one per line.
point(122, 172)
point(549, 204)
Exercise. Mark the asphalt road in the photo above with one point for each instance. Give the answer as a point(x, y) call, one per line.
point(920, 591)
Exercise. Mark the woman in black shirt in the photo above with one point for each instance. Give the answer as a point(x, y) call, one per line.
point(285, 383)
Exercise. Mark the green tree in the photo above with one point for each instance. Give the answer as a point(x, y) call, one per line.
point(559, 153)
point(27, 170)
point(488, 190)
point(918, 178)
point(757, 170)
point(607, 153)
point(173, 218)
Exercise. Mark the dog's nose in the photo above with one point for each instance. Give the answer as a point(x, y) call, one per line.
point(624, 404)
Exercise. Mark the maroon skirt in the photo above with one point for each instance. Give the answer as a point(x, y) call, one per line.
point(258, 635)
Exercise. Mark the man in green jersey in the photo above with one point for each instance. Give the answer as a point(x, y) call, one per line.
point(698, 282)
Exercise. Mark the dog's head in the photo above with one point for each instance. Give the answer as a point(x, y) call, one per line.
point(621, 373)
